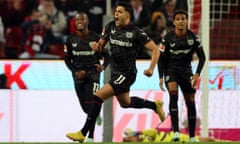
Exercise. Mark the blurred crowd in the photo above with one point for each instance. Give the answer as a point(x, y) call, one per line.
point(38, 28)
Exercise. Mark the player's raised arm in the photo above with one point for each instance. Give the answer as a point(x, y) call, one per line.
point(154, 57)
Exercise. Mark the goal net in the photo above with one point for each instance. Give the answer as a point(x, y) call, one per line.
point(224, 27)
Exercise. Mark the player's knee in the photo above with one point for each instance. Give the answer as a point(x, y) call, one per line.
point(124, 104)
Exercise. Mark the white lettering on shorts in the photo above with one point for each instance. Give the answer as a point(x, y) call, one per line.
point(120, 79)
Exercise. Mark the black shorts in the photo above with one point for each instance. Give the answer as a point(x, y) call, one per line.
point(182, 77)
point(122, 81)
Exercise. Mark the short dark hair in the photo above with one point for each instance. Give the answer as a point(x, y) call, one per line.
point(180, 12)
point(126, 6)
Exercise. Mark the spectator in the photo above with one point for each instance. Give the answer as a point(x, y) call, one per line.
point(168, 10)
point(181, 5)
point(157, 28)
point(37, 35)
point(71, 7)
point(58, 22)
point(155, 5)
point(141, 15)
point(2, 40)
point(12, 12)
point(95, 10)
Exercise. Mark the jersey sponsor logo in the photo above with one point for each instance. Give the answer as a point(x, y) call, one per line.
point(177, 52)
point(190, 42)
point(82, 53)
point(121, 43)
point(129, 34)
point(74, 44)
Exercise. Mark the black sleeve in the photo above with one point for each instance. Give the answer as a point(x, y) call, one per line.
point(200, 53)
point(106, 57)
point(161, 65)
point(68, 57)
point(202, 59)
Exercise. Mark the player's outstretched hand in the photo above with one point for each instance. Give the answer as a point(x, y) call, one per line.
point(148, 72)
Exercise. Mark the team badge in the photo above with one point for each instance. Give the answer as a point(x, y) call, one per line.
point(190, 42)
point(172, 44)
point(129, 34)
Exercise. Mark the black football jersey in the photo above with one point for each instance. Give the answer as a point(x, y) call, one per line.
point(178, 51)
point(79, 54)
point(124, 45)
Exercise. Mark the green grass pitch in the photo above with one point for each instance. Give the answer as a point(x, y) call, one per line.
point(120, 143)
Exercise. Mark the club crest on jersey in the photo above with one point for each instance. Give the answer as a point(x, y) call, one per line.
point(74, 44)
point(190, 42)
point(172, 44)
point(129, 34)
point(113, 31)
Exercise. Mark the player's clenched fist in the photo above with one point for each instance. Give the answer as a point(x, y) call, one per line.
point(148, 72)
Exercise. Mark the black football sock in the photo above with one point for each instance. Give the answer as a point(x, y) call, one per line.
point(92, 115)
point(137, 102)
point(173, 108)
point(91, 131)
point(191, 118)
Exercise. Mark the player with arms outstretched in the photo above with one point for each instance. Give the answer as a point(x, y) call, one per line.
point(124, 39)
